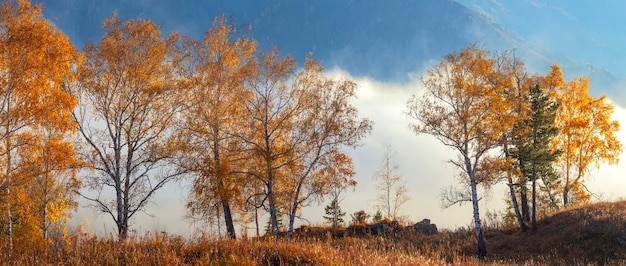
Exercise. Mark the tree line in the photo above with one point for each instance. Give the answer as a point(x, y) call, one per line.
point(538, 134)
point(119, 120)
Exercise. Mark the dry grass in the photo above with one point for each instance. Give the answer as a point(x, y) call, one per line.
point(594, 234)
point(167, 250)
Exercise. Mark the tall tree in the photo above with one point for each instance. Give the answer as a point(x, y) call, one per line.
point(298, 124)
point(36, 61)
point(269, 113)
point(328, 123)
point(461, 108)
point(392, 192)
point(513, 78)
point(128, 102)
point(532, 141)
point(586, 134)
point(215, 71)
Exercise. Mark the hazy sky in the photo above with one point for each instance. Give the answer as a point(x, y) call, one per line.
point(582, 31)
point(587, 30)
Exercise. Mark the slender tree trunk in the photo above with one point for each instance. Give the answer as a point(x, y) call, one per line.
point(8, 189)
point(8, 166)
point(219, 222)
point(8, 181)
point(567, 178)
point(269, 172)
point(44, 217)
point(256, 217)
point(534, 218)
point(335, 221)
point(217, 159)
point(518, 215)
point(9, 218)
point(566, 195)
point(126, 206)
point(121, 230)
point(272, 203)
point(471, 172)
point(524, 201)
point(45, 226)
point(10, 224)
point(388, 188)
point(482, 246)
point(228, 219)
point(294, 208)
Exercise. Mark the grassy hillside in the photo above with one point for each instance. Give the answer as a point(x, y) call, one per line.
point(594, 234)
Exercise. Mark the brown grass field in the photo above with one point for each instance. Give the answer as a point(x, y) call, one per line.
point(589, 235)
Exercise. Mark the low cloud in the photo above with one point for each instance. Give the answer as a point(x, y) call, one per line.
point(607, 182)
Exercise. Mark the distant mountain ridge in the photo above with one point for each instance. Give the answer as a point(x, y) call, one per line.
point(383, 40)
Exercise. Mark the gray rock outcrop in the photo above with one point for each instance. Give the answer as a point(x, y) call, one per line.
point(424, 227)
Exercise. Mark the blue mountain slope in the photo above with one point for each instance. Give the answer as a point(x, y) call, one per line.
point(383, 40)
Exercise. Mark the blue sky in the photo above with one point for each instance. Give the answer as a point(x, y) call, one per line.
point(566, 32)
point(584, 30)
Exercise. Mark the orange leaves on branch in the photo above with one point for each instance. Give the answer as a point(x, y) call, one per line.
point(37, 63)
point(326, 123)
point(214, 72)
point(297, 124)
point(462, 104)
point(129, 103)
point(51, 166)
point(586, 133)
point(462, 107)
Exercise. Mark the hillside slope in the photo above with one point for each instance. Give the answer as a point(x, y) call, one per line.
point(593, 233)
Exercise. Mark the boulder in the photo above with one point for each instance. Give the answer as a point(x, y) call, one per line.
point(378, 229)
point(395, 225)
point(425, 227)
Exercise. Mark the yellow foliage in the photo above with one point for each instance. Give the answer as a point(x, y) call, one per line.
point(35, 118)
point(129, 101)
point(214, 71)
point(586, 133)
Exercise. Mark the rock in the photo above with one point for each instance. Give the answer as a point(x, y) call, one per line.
point(621, 238)
point(425, 227)
point(378, 229)
point(395, 225)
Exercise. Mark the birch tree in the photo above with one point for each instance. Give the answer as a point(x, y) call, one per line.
point(215, 71)
point(269, 113)
point(392, 191)
point(460, 108)
point(587, 134)
point(128, 104)
point(50, 165)
point(36, 61)
point(298, 124)
point(328, 123)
